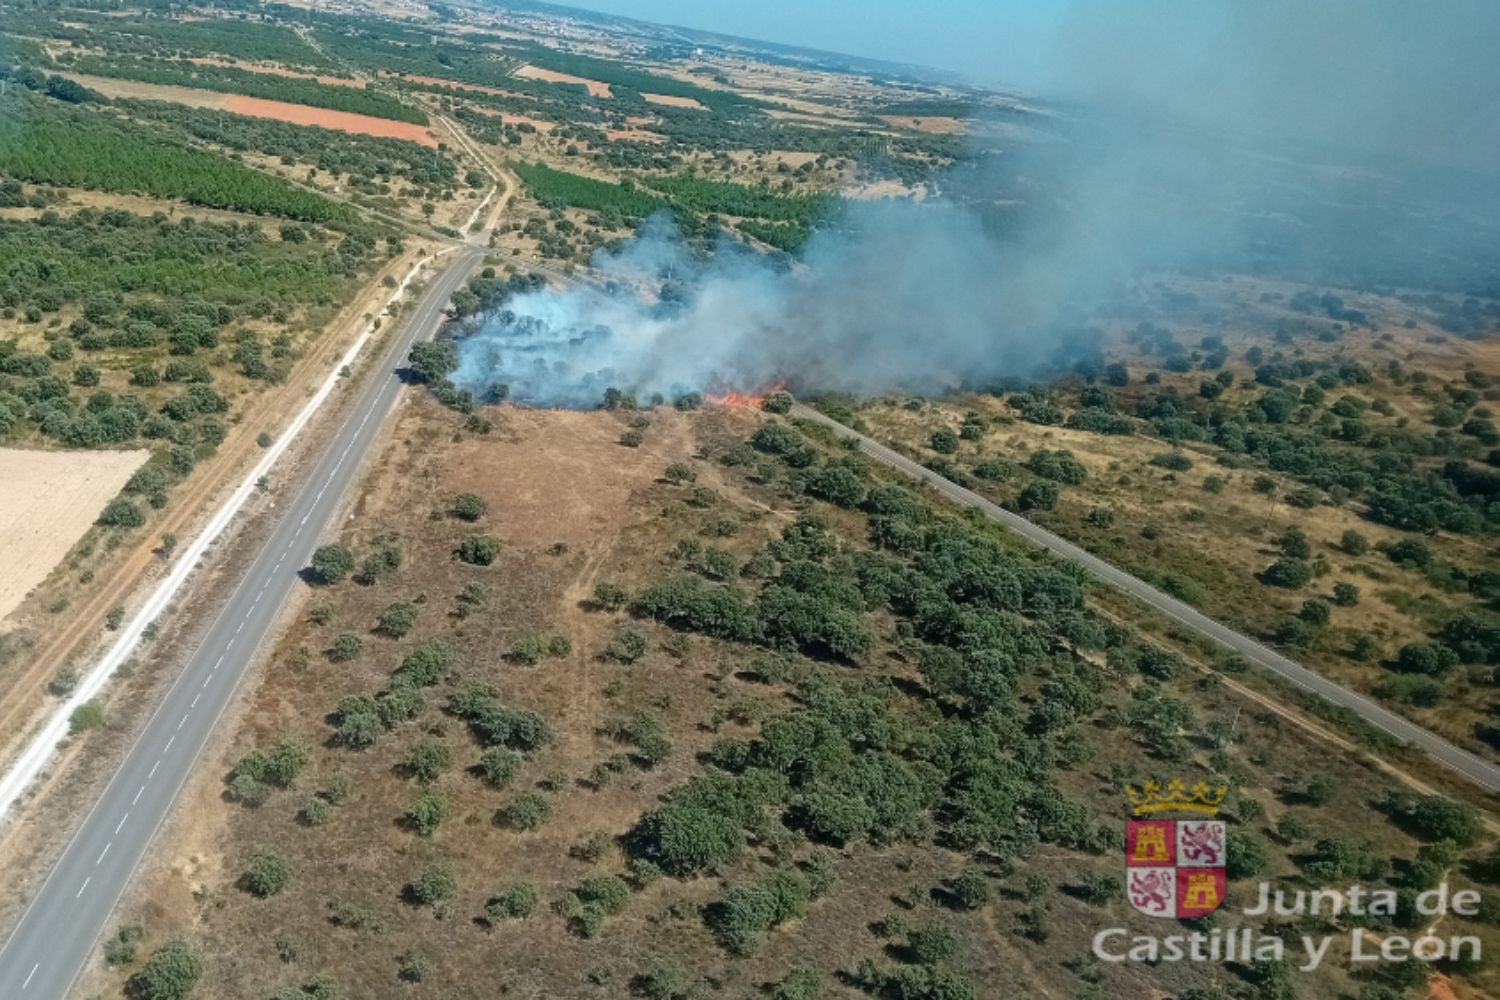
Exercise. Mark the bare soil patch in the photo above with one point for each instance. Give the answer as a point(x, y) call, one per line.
point(49, 499)
point(344, 121)
point(875, 190)
point(436, 81)
point(596, 89)
point(190, 96)
point(940, 126)
point(672, 102)
point(816, 109)
point(791, 157)
point(820, 121)
point(632, 135)
point(79, 198)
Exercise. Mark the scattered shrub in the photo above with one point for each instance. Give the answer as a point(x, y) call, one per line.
point(479, 550)
point(267, 874)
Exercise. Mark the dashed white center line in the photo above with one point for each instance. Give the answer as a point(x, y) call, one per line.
point(181, 721)
point(153, 769)
point(103, 853)
point(205, 682)
point(194, 703)
point(83, 887)
point(138, 792)
point(122, 822)
point(169, 744)
point(30, 974)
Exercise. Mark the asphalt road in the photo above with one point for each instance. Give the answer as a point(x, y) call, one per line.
point(61, 928)
point(1470, 766)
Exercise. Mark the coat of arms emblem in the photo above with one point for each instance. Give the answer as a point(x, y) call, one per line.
point(1175, 867)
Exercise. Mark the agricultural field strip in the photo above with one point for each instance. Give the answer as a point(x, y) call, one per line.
point(1466, 764)
point(60, 927)
point(46, 530)
point(409, 225)
point(19, 777)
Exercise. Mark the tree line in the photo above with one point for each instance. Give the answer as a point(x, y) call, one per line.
point(82, 147)
point(230, 80)
point(365, 157)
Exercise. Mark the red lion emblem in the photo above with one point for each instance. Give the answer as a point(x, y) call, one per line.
point(1151, 890)
point(1202, 842)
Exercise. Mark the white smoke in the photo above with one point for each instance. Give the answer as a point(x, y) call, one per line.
point(1278, 141)
point(896, 294)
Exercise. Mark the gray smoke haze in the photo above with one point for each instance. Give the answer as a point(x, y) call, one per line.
point(901, 294)
point(1347, 170)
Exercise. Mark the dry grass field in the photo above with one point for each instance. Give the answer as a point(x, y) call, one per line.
point(258, 107)
point(135, 90)
point(574, 508)
point(671, 101)
point(595, 88)
point(937, 124)
point(48, 499)
point(1208, 530)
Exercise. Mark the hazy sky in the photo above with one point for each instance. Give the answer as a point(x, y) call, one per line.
point(975, 37)
point(1412, 80)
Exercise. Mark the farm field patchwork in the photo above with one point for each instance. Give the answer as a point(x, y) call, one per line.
point(344, 121)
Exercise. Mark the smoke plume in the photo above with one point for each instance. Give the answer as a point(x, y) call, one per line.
point(1047, 223)
point(898, 295)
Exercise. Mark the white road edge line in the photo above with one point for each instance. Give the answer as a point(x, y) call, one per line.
point(29, 765)
point(7, 801)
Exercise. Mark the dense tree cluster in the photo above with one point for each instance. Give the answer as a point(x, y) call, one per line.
point(141, 288)
point(365, 158)
point(846, 765)
point(782, 220)
point(558, 188)
point(243, 38)
point(44, 140)
point(230, 80)
point(711, 197)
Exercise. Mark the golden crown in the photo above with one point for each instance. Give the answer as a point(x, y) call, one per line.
point(1176, 796)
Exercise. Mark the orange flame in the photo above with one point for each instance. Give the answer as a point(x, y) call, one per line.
point(731, 399)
